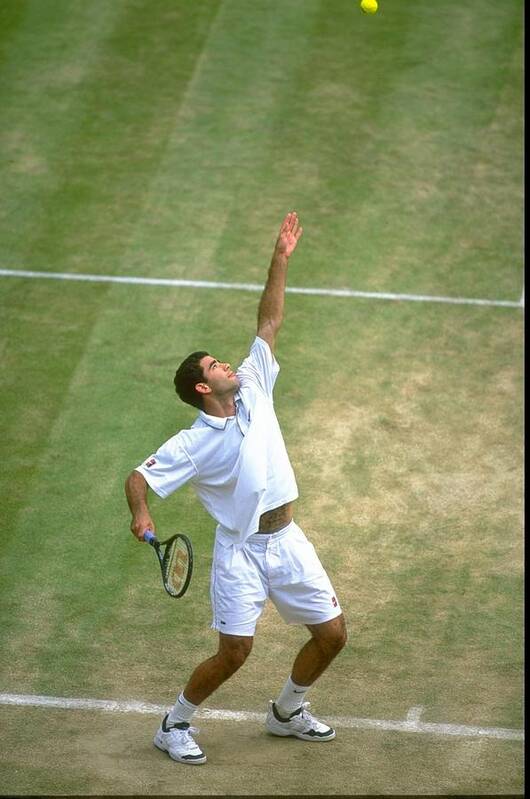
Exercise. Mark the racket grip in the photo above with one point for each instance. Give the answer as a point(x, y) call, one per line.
point(149, 537)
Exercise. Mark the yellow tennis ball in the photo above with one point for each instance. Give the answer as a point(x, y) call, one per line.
point(369, 6)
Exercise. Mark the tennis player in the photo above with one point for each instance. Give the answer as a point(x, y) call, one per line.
point(235, 458)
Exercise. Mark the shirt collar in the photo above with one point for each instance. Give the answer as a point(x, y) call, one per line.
point(219, 422)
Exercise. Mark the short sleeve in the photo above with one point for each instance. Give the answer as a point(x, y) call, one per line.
point(169, 468)
point(260, 368)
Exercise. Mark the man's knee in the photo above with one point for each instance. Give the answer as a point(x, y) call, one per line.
point(233, 651)
point(342, 633)
point(338, 635)
point(331, 636)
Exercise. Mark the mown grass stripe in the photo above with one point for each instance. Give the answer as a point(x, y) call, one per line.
point(207, 284)
point(132, 706)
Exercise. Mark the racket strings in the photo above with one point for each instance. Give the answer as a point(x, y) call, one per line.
point(177, 566)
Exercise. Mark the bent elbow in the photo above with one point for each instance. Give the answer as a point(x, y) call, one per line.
point(134, 479)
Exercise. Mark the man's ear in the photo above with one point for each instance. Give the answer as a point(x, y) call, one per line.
point(203, 388)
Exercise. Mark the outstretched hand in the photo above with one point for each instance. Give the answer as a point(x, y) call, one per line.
point(289, 235)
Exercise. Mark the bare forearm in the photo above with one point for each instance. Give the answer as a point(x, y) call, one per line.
point(136, 493)
point(270, 311)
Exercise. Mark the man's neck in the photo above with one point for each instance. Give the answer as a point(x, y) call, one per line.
point(220, 406)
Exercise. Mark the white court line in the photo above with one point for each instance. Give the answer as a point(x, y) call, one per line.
point(414, 715)
point(206, 284)
point(411, 724)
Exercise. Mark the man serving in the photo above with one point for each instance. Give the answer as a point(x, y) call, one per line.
point(235, 458)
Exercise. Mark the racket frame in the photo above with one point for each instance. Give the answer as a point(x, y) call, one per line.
point(164, 557)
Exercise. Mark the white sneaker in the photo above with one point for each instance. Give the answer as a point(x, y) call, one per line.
point(176, 740)
point(301, 724)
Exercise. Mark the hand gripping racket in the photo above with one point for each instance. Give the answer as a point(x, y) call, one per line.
point(175, 556)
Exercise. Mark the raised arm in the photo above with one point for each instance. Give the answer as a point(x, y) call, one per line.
point(270, 311)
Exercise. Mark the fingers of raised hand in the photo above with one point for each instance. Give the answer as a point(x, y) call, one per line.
point(291, 226)
point(290, 233)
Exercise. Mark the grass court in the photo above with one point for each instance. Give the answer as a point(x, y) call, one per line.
point(167, 139)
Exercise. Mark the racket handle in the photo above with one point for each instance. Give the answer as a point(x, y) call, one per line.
point(149, 537)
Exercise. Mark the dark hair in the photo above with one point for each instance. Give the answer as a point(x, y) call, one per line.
point(186, 378)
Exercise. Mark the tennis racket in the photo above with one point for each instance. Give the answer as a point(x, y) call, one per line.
point(175, 556)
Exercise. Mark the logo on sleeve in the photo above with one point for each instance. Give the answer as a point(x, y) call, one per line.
point(150, 462)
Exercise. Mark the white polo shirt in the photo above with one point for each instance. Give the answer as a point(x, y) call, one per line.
point(238, 466)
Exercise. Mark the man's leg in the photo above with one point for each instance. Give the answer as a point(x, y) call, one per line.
point(174, 734)
point(209, 675)
point(288, 715)
point(327, 640)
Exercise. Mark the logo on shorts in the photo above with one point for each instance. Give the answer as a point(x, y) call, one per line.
point(150, 463)
point(334, 602)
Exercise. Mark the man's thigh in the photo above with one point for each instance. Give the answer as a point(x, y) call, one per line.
point(237, 591)
point(305, 594)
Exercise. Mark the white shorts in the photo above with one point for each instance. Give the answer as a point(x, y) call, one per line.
point(282, 566)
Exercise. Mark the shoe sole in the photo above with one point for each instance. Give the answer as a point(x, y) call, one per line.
point(302, 737)
point(197, 762)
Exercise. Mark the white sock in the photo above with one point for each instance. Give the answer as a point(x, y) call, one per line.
point(291, 698)
point(182, 711)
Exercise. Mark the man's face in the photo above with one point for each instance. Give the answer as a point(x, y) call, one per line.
point(218, 376)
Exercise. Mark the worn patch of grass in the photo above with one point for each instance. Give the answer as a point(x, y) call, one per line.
point(410, 484)
point(113, 754)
